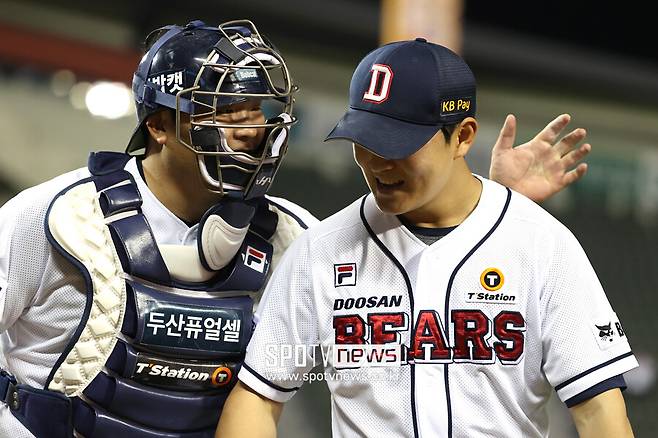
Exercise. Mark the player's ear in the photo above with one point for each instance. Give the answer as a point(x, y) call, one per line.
point(158, 128)
point(465, 133)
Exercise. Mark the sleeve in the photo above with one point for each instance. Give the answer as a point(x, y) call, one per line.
point(281, 350)
point(583, 342)
point(6, 231)
point(24, 251)
point(611, 383)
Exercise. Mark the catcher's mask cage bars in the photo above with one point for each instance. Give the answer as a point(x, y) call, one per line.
point(250, 59)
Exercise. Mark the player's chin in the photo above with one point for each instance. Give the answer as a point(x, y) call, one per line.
point(390, 198)
point(391, 203)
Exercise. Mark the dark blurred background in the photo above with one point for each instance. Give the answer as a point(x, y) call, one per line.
point(64, 67)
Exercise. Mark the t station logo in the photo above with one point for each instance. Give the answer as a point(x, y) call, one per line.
point(492, 279)
point(345, 274)
point(191, 376)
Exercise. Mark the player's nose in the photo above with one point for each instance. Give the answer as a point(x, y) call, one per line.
point(245, 133)
point(371, 162)
point(378, 164)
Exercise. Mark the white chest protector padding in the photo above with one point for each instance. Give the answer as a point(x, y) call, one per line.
point(77, 224)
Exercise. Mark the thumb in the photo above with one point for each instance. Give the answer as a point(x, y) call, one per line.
point(507, 135)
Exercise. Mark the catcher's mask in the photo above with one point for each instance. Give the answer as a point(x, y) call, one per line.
point(201, 72)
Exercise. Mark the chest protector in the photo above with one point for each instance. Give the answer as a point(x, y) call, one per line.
point(152, 356)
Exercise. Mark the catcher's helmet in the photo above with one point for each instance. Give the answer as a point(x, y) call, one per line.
point(196, 70)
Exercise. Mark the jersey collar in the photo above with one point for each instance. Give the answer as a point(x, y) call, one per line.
point(404, 244)
point(166, 226)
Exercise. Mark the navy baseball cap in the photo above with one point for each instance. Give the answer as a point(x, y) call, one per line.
point(402, 94)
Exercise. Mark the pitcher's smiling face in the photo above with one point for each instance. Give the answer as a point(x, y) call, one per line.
point(409, 184)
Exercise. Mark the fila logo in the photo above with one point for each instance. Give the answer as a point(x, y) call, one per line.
point(380, 84)
point(345, 274)
point(255, 259)
point(492, 279)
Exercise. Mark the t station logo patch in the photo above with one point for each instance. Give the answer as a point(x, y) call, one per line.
point(221, 376)
point(345, 274)
point(182, 376)
point(492, 279)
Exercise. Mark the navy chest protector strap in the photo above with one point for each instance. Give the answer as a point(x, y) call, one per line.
point(136, 245)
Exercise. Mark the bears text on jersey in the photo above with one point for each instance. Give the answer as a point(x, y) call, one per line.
point(471, 341)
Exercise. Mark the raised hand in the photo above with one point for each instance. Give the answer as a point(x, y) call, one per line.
point(543, 166)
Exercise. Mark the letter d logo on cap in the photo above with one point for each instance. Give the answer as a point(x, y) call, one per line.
point(380, 84)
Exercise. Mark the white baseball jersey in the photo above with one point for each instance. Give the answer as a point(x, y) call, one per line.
point(465, 337)
point(42, 296)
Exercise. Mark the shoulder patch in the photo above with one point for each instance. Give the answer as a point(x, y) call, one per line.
point(607, 333)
